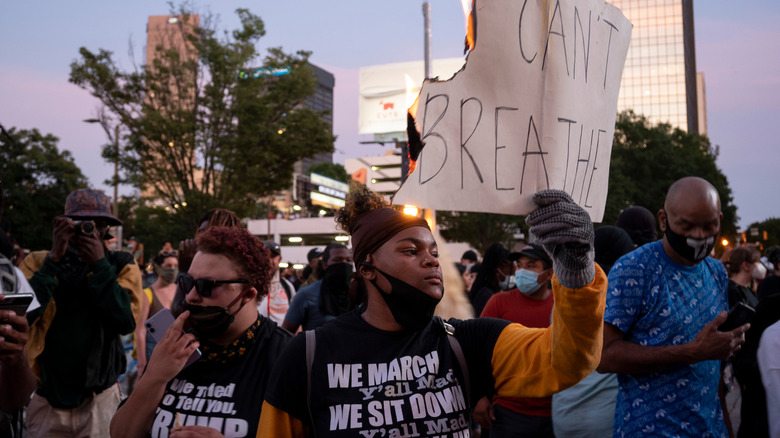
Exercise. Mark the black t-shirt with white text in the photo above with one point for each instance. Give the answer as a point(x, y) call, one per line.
point(224, 392)
point(368, 382)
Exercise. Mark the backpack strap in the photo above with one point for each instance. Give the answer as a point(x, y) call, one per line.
point(458, 351)
point(311, 344)
point(286, 286)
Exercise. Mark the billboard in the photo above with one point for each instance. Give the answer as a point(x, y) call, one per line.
point(387, 91)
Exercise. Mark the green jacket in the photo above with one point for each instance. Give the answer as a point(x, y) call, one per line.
point(74, 346)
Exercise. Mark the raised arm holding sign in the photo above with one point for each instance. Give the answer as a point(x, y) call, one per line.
point(533, 108)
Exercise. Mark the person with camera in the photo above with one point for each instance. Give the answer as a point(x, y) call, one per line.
point(89, 296)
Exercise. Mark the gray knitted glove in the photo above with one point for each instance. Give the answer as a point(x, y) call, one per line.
point(565, 231)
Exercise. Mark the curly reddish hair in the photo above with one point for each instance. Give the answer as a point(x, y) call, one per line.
point(246, 251)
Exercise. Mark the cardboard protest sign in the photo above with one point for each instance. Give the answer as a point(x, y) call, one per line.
point(533, 108)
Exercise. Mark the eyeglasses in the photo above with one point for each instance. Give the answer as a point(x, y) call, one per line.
point(172, 253)
point(202, 285)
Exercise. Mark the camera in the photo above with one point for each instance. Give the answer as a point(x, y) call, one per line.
point(86, 228)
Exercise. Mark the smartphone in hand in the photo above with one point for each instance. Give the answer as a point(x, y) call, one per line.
point(740, 314)
point(158, 324)
point(18, 303)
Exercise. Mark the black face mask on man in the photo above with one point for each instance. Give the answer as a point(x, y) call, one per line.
point(334, 291)
point(337, 276)
point(692, 249)
point(411, 307)
point(209, 322)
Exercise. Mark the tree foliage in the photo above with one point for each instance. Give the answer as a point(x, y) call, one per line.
point(36, 178)
point(647, 159)
point(772, 229)
point(331, 170)
point(207, 123)
point(480, 230)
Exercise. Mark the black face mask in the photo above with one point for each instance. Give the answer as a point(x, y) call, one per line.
point(334, 292)
point(337, 275)
point(411, 307)
point(208, 322)
point(691, 249)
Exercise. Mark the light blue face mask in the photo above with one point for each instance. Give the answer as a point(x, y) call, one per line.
point(527, 281)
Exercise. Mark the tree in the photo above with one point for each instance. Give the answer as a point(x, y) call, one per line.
point(768, 233)
point(647, 159)
point(36, 179)
point(204, 126)
point(480, 230)
point(331, 170)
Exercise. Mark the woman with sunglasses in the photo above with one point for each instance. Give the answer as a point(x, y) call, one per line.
point(220, 394)
point(395, 370)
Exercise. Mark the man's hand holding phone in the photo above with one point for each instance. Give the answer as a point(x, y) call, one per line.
point(13, 334)
point(714, 343)
point(172, 352)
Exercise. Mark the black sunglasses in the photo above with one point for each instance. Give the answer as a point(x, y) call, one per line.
point(202, 285)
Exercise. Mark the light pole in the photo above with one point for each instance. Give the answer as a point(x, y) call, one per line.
point(428, 213)
point(115, 205)
point(116, 171)
point(115, 140)
point(428, 38)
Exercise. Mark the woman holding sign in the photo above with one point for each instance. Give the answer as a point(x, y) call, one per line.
point(392, 369)
point(219, 394)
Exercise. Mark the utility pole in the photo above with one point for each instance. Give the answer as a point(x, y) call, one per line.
point(428, 214)
point(116, 171)
point(428, 38)
point(115, 143)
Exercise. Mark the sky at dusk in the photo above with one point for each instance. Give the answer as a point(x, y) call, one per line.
point(737, 49)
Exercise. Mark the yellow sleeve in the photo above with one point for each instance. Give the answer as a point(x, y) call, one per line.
point(533, 362)
point(36, 338)
point(279, 424)
point(129, 278)
point(32, 263)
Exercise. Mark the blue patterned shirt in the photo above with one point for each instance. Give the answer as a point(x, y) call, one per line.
point(656, 301)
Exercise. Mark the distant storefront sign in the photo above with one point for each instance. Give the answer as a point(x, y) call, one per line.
point(327, 192)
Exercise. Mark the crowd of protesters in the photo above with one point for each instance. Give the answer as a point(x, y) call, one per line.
point(580, 332)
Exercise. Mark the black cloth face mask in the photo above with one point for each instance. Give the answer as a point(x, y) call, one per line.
point(411, 307)
point(334, 291)
point(208, 322)
point(691, 249)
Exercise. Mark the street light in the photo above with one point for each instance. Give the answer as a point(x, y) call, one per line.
point(115, 141)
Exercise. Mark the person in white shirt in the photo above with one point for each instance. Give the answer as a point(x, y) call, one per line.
point(280, 291)
point(769, 365)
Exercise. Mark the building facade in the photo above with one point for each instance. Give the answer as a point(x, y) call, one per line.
point(659, 77)
point(321, 100)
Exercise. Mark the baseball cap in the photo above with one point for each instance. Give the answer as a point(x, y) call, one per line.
point(533, 251)
point(273, 247)
point(313, 254)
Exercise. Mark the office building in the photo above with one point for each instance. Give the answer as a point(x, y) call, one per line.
point(659, 78)
point(167, 32)
point(321, 100)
